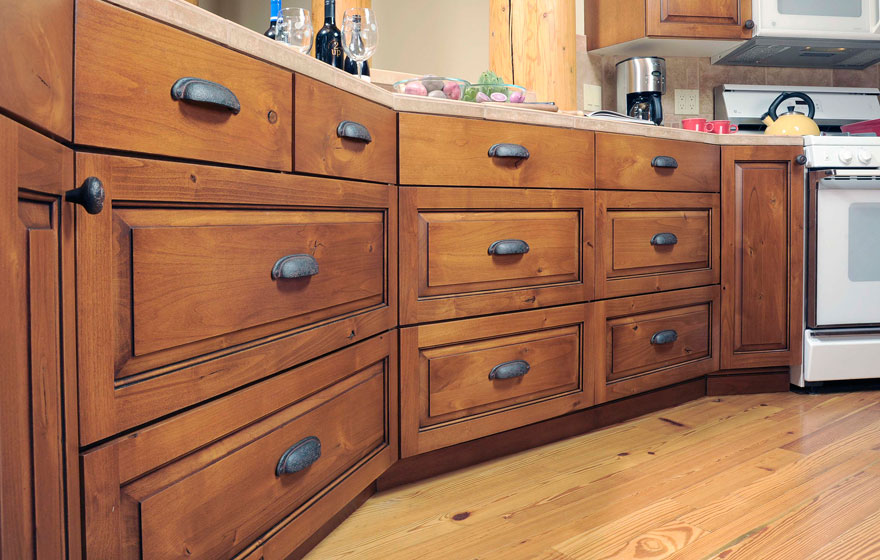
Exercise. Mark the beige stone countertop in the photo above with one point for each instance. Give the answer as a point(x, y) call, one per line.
point(203, 23)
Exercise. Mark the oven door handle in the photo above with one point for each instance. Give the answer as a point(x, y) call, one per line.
point(861, 182)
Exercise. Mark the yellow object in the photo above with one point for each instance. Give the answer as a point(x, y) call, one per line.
point(791, 123)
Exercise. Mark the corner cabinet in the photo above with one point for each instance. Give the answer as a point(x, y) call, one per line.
point(36, 295)
point(762, 257)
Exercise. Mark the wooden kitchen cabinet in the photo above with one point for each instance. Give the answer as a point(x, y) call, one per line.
point(611, 22)
point(37, 483)
point(762, 261)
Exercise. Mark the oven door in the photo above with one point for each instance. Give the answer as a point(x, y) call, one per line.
point(847, 268)
point(844, 19)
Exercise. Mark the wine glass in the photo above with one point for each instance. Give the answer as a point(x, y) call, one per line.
point(360, 35)
point(294, 27)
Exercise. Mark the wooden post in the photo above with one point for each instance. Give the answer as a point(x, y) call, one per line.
point(341, 6)
point(532, 44)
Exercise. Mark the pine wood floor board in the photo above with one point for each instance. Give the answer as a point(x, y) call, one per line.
point(860, 542)
point(832, 432)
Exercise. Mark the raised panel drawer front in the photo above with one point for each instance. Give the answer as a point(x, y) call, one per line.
point(205, 276)
point(651, 242)
point(130, 93)
point(657, 340)
point(652, 164)
point(466, 379)
point(468, 252)
point(212, 481)
point(456, 151)
point(341, 135)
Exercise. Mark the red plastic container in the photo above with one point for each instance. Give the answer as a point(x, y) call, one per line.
point(863, 127)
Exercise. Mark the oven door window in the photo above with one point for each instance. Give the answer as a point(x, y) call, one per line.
point(864, 242)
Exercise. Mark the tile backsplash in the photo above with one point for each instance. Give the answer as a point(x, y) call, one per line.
point(700, 74)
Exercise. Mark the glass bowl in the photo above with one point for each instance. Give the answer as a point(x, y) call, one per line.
point(433, 86)
point(498, 93)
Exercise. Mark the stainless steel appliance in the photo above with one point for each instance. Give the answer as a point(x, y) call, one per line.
point(810, 34)
point(641, 81)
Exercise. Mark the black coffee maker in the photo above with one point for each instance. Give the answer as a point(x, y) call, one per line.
point(641, 81)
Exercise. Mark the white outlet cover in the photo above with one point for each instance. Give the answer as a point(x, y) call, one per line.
point(592, 98)
point(687, 102)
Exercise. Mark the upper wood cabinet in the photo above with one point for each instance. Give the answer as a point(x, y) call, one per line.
point(611, 22)
point(762, 256)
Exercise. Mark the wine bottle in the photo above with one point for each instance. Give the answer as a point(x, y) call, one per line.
point(328, 41)
point(274, 10)
point(351, 67)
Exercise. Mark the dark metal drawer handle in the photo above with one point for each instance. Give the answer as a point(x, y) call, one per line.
point(664, 337)
point(664, 161)
point(90, 195)
point(509, 370)
point(664, 239)
point(509, 151)
point(196, 90)
point(509, 247)
point(294, 266)
point(353, 131)
point(299, 456)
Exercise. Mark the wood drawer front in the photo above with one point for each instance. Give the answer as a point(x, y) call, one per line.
point(126, 65)
point(455, 151)
point(447, 234)
point(318, 148)
point(631, 162)
point(213, 492)
point(636, 357)
point(632, 257)
point(193, 309)
point(467, 379)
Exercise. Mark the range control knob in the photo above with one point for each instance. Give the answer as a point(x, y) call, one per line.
point(865, 156)
point(845, 156)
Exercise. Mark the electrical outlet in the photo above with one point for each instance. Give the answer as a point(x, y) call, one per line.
point(687, 102)
point(592, 98)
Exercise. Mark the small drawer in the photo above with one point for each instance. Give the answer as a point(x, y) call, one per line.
point(468, 379)
point(469, 252)
point(206, 273)
point(455, 151)
point(650, 242)
point(253, 459)
point(342, 135)
point(130, 93)
point(652, 164)
point(657, 340)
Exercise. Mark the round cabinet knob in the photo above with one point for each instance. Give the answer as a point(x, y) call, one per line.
point(801, 159)
point(865, 156)
point(749, 24)
point(90, 195)
point(845, 156)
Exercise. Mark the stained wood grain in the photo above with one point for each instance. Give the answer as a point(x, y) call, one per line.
point(609, 22)
point(695, 19)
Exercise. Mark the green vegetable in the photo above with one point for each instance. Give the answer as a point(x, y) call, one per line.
point(489, 83)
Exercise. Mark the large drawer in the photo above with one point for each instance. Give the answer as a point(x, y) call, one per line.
point(209, 482)
point(467, 252)
point(126, 66)
point(654, 164)
point(341, 135)
point(455, 151)
point(209, 270)
point(656, 340)
point(466, 379)
point(649, 242)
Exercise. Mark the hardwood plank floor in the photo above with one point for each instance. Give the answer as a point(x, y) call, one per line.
point(777, 476)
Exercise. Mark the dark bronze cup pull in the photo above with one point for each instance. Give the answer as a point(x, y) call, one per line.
point(509, 370)
point(299, 456)
point(664, 239)
point(664, 162)
point(509, 247)
point(294, 266)
point(351, 130)
point(664, 337)
point(90, 195)
point(514, 151)
point(196, 90)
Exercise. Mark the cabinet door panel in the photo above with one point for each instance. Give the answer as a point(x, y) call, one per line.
point(762, 260)
point(719, 19)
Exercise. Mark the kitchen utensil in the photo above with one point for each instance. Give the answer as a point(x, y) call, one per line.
point(791, 123)
point(721, 127)
point(694, 124)
point(294, 27)
point(360, 35)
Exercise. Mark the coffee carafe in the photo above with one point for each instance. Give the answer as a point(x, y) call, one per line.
point(641, 81)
